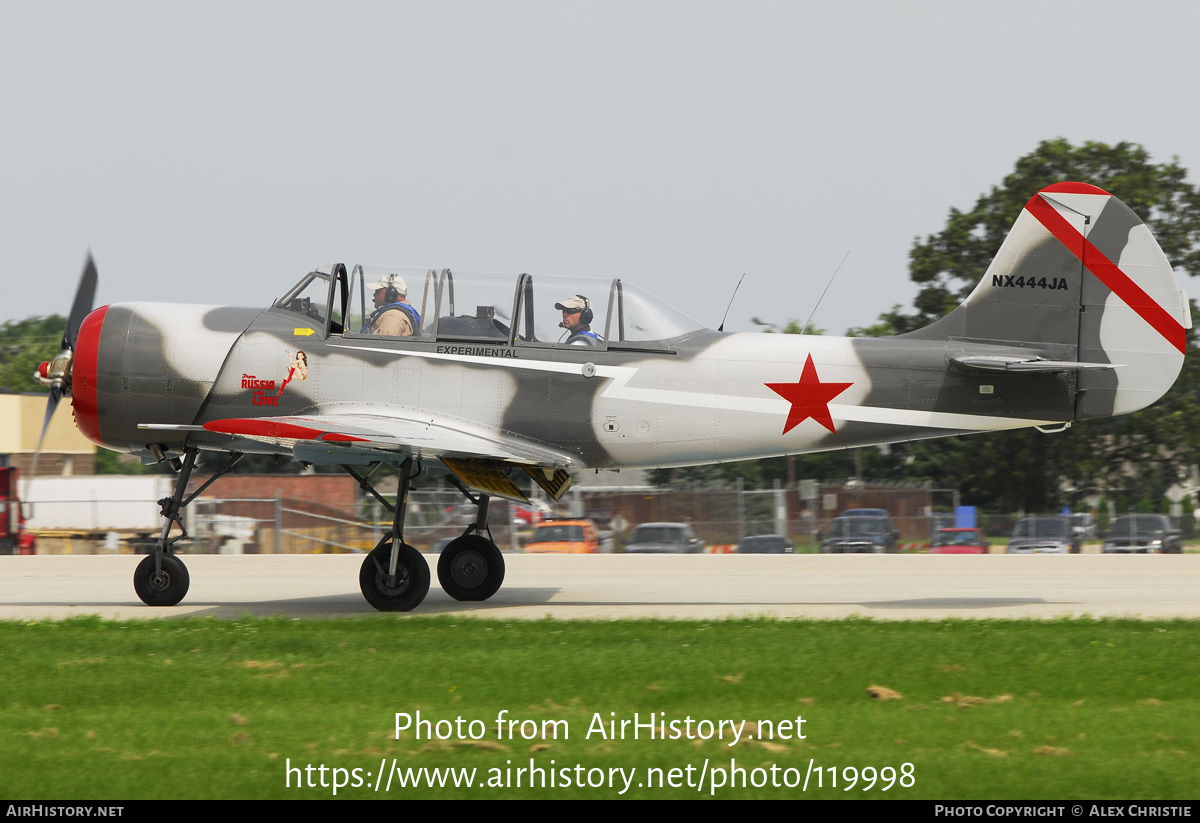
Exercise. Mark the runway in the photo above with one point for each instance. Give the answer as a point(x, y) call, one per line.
point(606, 587)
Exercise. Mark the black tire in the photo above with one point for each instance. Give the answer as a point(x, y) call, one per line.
point(412, 578)
point(471, 568)
point(165, 590)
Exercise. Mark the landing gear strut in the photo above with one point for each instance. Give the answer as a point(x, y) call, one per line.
point(394, 577)
point(161, 579)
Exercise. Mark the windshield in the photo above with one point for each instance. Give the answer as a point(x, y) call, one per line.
point(1041, 527)
point(658, 534)
point(309, 297)
point(1144, 525)
point(557, 534)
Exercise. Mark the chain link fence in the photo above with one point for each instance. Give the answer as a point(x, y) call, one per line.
point(301, 517)
point(291, 526)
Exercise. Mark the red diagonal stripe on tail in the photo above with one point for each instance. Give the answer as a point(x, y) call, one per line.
point(1108, 272)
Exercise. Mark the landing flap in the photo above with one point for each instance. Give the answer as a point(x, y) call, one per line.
point(488, 476)
point(554, 482)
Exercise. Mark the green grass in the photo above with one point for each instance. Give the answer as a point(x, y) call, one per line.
point(214, 709)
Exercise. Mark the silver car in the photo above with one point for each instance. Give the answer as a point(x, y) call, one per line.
point(663, 538)
point(1044, 535)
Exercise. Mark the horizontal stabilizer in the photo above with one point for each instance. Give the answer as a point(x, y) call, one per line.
point(988, 362)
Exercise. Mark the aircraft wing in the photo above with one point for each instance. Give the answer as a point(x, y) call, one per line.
point(343, 434)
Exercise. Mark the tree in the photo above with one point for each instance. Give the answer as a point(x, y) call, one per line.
point(23, 345)
point(1137, 456)
point(950, 263)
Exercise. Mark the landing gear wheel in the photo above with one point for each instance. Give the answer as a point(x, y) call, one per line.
point(166, 588)
point(412, 578)
point(471, 568)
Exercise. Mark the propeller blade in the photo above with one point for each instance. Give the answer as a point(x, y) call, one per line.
point(85, 294)
point(51, 405)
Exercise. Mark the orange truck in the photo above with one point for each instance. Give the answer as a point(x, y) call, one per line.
point(564, 536)
point(13, 537)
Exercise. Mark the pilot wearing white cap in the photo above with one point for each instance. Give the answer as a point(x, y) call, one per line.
point(393, 315)
point(577, 315)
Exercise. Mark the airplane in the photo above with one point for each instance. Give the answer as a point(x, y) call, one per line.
point(488, 378)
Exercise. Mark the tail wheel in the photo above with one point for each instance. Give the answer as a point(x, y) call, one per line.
point(165, 588)
point(410, 585)
point(471, 568)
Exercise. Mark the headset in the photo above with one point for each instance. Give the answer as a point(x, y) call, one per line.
point(392, 294)
point(585, 314)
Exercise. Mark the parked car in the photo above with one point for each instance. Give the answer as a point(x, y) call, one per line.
point(1044, 535)
point(860, 534)
point(564, 537)
point(958, 541)
point(663, 538)
point(1143, 533)
point(765, 544)
point(530, 515)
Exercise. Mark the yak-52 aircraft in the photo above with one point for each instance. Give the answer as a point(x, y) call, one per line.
point(473, 377)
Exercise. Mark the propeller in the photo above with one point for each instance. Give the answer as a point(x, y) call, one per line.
point(56, 374)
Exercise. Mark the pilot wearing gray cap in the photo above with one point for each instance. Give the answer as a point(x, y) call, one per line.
point(393, 315)
point(577, 315)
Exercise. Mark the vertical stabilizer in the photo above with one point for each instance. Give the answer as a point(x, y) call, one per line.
point(1080, 278)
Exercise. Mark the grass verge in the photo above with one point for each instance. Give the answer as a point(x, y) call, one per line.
point(219, 709)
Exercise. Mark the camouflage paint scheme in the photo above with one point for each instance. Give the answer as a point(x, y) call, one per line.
point(1106, 312)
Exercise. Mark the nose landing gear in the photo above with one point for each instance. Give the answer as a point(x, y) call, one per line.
point(161, 579)
point(164, 586)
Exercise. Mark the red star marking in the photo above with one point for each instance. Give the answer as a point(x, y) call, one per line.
point(809, 398)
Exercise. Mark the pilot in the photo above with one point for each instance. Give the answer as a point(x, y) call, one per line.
point(577, 315)
point(393, 315)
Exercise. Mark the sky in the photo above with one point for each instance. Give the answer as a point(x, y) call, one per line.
point(214, 152)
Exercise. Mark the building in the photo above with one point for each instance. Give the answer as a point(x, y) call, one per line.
point(65, 452)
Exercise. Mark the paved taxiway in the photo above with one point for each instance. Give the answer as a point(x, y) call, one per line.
point(893, 587)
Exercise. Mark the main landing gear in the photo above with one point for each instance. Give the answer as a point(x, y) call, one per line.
point(471, 567)
point(395, 577)
point(161, 579)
